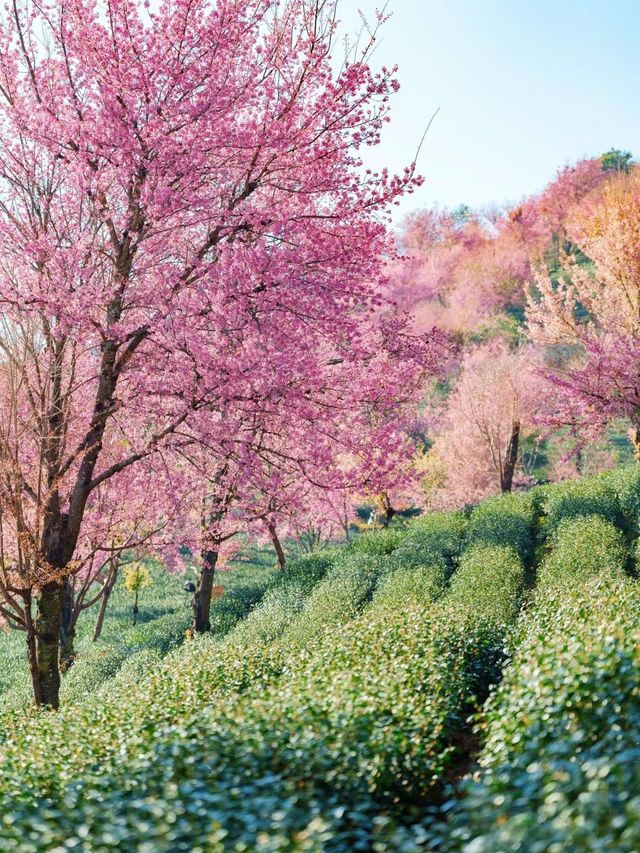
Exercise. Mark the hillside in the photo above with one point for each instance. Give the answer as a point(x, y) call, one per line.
point(341, 704)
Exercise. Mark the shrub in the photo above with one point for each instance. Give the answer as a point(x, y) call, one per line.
point(14, 672)
point(366, 712)
point(18, 698)
point(433, 540)
point(590, 496)
point(337, 712)
point(489, 582)
point(135, 668)
point(584, 546)
point(625, 482)
point(375, 709)
point(347, 587)
point(99, 662)
point(504, 520)
point(150, 641)
point(162, 634)
point(560, 767)
point(266, 622)
point(306, 571)
point(376, 542)
point(112, 724)
point(233, 606)
point(96, 665)
point(237, 744)
point(411, 586)
point(483, 602)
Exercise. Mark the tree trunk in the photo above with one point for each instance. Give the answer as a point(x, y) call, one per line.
point(136, 609)
point(282, 560)
point(202, 596)
point(47, 629)
point(511, 457)
point(104, 601)
point(635, 438)
point(67, 627)
point(32, 652)
point(388, 509)
point(61, 529)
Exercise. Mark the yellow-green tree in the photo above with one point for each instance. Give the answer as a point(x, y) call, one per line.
point(136, 578)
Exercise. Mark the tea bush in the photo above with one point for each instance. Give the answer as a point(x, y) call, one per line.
point(271, 617)
point(559, 771)
point(234, 605)
point(434, 540)
point(346, 588)
point(590, 496)
point(625, 482)
point(329, 708)
point(411, 586)
point(98, 662)
point(305, 571)
point(489, 582)
point(484, 599)
point(376, 542)
point(583, 546)
point(504, 520)
point(95, 666)
point(261, 746)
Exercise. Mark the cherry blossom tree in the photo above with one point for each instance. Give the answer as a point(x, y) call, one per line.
point(466, 274)
point(184, 225)
point(494, 405)
point(590, 316)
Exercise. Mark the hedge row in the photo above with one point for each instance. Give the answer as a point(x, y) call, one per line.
point(559, 766)
point(346, 589)
point(589, 496)
point(376, 542)
point(582, 547)
point(99, 662)
point(159, 624)
point(407, 585)
point(626, 484)
point(311, 758)
point(614, 495)
point(306, 571)
point(190, 674)
point(331, 717)
point(504, 520)
point(435, 540)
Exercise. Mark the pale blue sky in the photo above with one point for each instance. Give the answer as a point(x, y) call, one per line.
point(523, 88)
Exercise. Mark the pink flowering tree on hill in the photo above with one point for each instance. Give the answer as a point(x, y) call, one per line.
point(184, 226)
point(590, 318)
point(493, 407)
point(469, 274)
